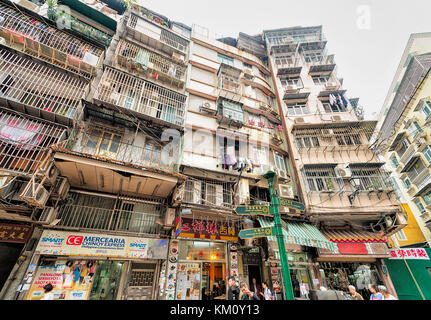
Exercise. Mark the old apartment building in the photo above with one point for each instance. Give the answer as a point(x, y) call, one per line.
point(128, 140)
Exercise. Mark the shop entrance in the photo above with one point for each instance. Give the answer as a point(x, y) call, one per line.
point(106, 280)
point(254, 272)
point(213, 282)
point(201, 271)
point(201, 281)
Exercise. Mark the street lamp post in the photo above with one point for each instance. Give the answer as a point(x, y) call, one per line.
point(273, 209)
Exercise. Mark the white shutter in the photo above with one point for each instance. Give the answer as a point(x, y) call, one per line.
point(197, 192)
point(219, 194)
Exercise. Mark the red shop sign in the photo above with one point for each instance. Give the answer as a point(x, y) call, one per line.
point(208, 229)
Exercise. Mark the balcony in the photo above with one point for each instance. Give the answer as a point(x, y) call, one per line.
point(107, 145)
point(324, 65)
point(42, 91)
point(290, 69)
point(230, 113)
point(142, 98)
point(45, 42)
point(228, 83)
point(25, 141)
point(87, 212)
point(291, 42)
point(147, 63)
point(158, 37)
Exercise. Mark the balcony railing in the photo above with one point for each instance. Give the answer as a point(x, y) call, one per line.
point(38, 86)
point(149, 63)
point(45, 42)
point(122, 153)
point(372, 183)
point(141, 221)
point(25, 142)
point(144, 31)
point(143, 97)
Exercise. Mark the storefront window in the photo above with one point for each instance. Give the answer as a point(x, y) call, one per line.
point(200, 250)
point(106, 280)
point(339, 275)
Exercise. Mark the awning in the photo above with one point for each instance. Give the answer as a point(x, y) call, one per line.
point(421, 191)
point(91, 13)
point(299, 233)
point(410, 163)
point(338, 236)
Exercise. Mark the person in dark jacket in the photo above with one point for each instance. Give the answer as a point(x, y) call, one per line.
point(247, 294)
point(233, 292)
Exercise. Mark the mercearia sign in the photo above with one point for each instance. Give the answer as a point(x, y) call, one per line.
point(65, 243)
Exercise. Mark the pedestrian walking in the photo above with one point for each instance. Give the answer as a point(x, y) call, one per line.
point(386, 294)
point(48, 295)
point(266, 292)
point(355, 295)
point(375, 295)
point(233, 292)
point(246, 293)
point(255, 287)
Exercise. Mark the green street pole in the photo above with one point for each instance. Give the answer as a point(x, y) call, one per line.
point(273, 209)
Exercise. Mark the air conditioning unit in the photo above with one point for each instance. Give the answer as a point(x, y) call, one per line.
point(299, 120)
point(48, 215)
point(263, 106)
point(343, 171)
point(285, 191)
point(169, 217)
point(35, 194)
point(292, 88)
point(51, 173)
point(331, 86)
point(335, 118)
point(282, 174)
point(62, 188)
point(178, 57)
point(178, 195)
point(208, 107)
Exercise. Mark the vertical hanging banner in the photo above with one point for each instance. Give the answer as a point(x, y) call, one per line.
point(171, 276)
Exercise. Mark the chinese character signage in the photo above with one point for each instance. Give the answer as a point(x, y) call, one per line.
point(256, 233)
point(414, 253)
point(14, 233)
point(208, 229)
point(252, 210)
point(66, 243)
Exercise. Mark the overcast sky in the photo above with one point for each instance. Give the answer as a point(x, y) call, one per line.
point(367, 51)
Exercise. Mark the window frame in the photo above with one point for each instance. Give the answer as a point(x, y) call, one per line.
point(101, 137)
point(299, 106)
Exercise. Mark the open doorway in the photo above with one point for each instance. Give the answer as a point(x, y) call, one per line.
point(254, 272)
point(213, 281)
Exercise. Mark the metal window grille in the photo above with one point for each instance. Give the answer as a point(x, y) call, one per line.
point(128, 52)
point(208, 192)
point(25, 142)
point(142, 96)
point(99, 213)
point(322, 179)
point(40, 40)
point(38, 86)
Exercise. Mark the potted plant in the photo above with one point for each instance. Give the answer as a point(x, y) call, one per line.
point(52, 9)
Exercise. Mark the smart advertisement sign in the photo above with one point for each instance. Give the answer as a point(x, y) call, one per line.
point(66, 243)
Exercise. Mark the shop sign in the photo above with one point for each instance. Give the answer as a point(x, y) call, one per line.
point(253, 210)
point(66, 243)
point(208, 229)
point(15, 233)
point(256, 233)
point(292, 204)
point(413, 253)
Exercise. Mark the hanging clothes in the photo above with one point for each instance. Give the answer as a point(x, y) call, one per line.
point(142, 58)
point(332, 99)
